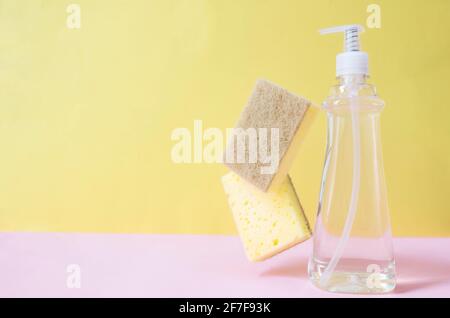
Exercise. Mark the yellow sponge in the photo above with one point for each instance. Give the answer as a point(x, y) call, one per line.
point(268, 222)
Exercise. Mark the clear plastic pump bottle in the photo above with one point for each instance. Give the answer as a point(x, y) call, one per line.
point(352, 241)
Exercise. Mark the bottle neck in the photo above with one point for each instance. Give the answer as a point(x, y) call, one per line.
point(352, 79)
point(353, 86)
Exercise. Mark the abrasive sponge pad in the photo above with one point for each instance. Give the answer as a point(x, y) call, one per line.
point(268, 222)
point(270, 106)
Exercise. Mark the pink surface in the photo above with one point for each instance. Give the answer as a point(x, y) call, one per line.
point(189, 266)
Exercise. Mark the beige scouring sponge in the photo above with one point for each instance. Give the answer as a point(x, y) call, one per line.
point(269, 107)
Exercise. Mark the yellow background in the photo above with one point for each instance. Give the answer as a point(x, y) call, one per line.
point(86, 115)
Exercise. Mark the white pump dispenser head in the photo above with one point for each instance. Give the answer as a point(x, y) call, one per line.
point(352, 60)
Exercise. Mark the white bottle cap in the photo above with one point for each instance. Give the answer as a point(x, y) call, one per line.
point(352, 60)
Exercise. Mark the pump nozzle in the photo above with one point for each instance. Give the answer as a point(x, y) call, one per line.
point(352, 60)
point(351, 35)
